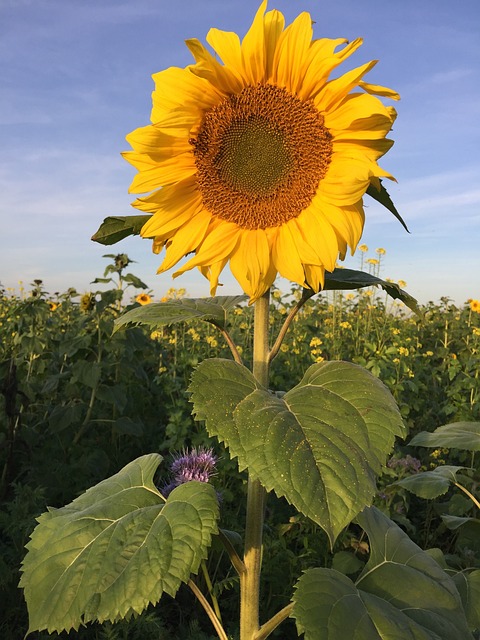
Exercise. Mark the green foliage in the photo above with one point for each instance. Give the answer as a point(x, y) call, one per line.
point(77, 404)
point(116, 228)
point(401, 593)
point(157, 315)
point(116, 549)
point(459, 435)
point(430, 484)
point(320, 445)
point(381, 195)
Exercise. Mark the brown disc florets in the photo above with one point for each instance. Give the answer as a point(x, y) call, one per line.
point(260, 155)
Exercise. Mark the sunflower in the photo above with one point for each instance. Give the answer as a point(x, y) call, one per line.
point(261, 161)
point(143, 298)
point(475, 305)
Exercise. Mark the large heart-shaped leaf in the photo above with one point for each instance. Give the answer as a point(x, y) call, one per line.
point(401, 594)
point(319, 446)
point(116, 548)
point(159, 314)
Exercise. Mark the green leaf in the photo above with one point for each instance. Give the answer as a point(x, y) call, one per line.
point(457, 435)
point(116, 228)
point(87, 373)
point(346, 562)
point(126, 426)
point(134, 281)
point(319, 446)
point(159, 314)
point(455, 522)
point(343, 279)
point(468, 585)
point(401, 594)
point(116, 549)
point(384, 199)
point(430, 484)
point(63, 416)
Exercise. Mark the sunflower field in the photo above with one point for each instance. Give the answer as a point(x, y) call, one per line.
point(79, 401)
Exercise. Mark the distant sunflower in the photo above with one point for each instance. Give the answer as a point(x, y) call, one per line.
point(261, 161)
point(143, 298)
point(475, 305)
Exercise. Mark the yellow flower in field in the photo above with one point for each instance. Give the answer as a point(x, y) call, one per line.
point(380, 251)
point(345, 325)
point(363, 248)
point(476, 331)
point(211, 341)
point(261, 161)
point(402, 284)
point(53, 306)
point(429, 353)
point(143, 298)
point(315, 342)
point(87, 302)
point(403, 351)
point(475, 305)
point(350, 296)
point(372, 261)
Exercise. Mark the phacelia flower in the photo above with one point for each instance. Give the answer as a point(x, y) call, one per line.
point(196, 464)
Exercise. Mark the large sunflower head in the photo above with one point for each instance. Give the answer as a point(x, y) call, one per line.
point(260, 160)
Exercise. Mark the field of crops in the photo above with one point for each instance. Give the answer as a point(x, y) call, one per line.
point(79, 403)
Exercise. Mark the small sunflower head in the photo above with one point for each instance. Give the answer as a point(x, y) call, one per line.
point(143, 298)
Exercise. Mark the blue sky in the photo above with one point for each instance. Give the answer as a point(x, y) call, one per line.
point(76, 78)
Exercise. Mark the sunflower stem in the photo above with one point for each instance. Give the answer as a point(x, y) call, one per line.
point(250, 579)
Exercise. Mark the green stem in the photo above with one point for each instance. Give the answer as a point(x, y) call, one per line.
point(208, 609)
point(250, 578)
point(288, 321)
point(266, 629)
point(467, 492)
point(213, 597)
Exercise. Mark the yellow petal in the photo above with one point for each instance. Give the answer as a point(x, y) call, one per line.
point(177, 87)
point(286, 258)
point(292, 49)
point(250, 263)
point(185, 240)
point(210, 69)
point(371, 149)
point(354, 107)
point(314, 276)
point(218, 244)
point(320, 234)
point(227, 46)
point(377, 90)
point(321, 61)
point(174, 206)
point(274, 24)
point(152, 140)
point(253, 49)
point(335, 90)
point(154, 174)
point(212, 273)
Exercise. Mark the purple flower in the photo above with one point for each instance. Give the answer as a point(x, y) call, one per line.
point(197, 464)
point(409, 463)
